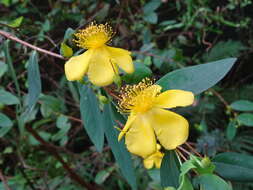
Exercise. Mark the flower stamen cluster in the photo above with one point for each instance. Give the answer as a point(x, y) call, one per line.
point(94, 36)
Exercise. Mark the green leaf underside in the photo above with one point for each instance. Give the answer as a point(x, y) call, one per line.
point(234, 166)
point(91, 116)
point(242, 105)
point(7, 98)
point(197, 78)
point(34, 80)
point(170, 170)
point(211, 182)
point(246, 119)
point(119, 150)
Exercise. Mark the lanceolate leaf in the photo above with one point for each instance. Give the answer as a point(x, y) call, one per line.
point(34, 81)
point(170, 170)
point(234, 166)
point(197, 78)
point(120, 153)
point(211, 182)
point(242, 105)
point(91, 116)
point(7, 98)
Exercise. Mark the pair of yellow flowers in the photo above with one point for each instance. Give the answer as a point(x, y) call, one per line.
point(148, 120)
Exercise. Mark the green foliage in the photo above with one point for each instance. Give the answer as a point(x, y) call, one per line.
point(170, 41)
point(197, 78)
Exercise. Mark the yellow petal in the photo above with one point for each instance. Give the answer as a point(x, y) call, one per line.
point(154, 159)
point(128, 124)
point(170, 128)
point(122, 58)
point(101, 69)
point(140, 139)
point(76, 67)
point(148, 163)
point(174, 98)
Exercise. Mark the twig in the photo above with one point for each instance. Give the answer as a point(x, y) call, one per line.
point(220, 97)
point(73, 175)
point(193, 150)
point(4, 180)
point(11, 37)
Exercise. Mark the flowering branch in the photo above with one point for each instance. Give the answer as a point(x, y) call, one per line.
point(11, 37)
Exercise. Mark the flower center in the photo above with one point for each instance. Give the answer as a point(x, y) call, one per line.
point(94, 36)
point(139, 98)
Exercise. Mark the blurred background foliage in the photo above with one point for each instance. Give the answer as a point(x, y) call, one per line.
point(163, 36)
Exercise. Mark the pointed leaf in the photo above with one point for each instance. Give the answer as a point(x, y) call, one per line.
point(34, 81)
point(119, 150)
point(170, 170)
point(197, 78)
point(91, 116)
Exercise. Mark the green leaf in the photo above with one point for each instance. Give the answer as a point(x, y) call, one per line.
point(242, 105)
point(91, 116)
point(151, 6)
point(234, 166)
point(65, 50)
point(5, 124)
point(103, 175)
point(211, 182)
point(170, 170)
point(141, 71)
point(34, 81)
point(7, 98)
point(151, 17)
point(68, 34)
point(225, 49)
point(16, 23)
point(231, 130)
point(185, 183)
point(197, 78)
point(3, 69)
point(119, 150)
point(245, 119)
point(50, 105)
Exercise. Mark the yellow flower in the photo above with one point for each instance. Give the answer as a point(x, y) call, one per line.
point(99, 61)
point(154, 159)
point(149, 118)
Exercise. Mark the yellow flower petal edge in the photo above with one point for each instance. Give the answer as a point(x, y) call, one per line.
point(76, 66)
point(140, 139)
point(170, 128)
point(174, 98)
point(102, 64)
point(122, 58)
point(154, 159)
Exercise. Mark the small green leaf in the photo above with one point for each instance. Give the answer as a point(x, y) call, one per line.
point(7, 98)
point(16, 23)
point(234, 166)
point(151, 17)
point(3, 69)
point(68, 34)
point(170, 170)
point(34, 81)
point(103, 175)
point(242, 105)
point(119, 150)
point(231, 130)
point(151, 6)
point(197, 78)
point(66, 51)
point(211, 182)
point(91, 116)
point(141, 71)
point(5, 124)
point(245, 119)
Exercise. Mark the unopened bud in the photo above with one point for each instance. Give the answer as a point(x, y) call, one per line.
point(205, 162)
point(103, 99)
